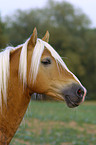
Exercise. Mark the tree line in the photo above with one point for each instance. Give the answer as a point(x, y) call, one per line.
point(70, 35)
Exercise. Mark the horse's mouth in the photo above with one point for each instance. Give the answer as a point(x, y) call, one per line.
point(70, 103)
point(74, 95)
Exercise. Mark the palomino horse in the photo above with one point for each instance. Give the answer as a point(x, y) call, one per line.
point(32, 67)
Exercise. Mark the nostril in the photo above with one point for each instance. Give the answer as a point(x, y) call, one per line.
point(80, 92)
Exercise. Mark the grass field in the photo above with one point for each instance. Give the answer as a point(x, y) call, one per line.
point(53, 123)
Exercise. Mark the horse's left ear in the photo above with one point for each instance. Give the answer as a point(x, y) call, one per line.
point(33, 38)
point(46, 37)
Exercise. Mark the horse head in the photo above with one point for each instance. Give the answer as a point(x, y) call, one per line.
point(48, 74)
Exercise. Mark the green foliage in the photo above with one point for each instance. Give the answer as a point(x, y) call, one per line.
point(55, 124)
point(70, 35)
point(3, 36)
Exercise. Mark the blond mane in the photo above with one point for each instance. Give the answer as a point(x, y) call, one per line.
point(4, 74)
point(35, 61)
point(5, 70)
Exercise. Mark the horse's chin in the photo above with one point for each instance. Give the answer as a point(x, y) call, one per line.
point(70, 103)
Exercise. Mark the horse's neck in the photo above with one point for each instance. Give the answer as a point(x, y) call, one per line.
point(17, 103)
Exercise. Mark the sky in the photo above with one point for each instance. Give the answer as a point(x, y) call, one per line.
point(7, 7)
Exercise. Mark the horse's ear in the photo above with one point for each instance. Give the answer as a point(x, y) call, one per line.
point(46, 37)
point(33, 38)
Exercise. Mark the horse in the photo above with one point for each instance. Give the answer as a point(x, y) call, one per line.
point(33, 67)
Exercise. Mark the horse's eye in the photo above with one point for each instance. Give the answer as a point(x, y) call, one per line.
point(46, 61)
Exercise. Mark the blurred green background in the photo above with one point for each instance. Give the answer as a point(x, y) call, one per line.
point(70, 35)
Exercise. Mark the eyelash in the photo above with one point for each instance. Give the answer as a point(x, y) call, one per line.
point(46, 61)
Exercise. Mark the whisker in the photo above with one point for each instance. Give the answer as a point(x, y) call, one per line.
point(64, 57)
